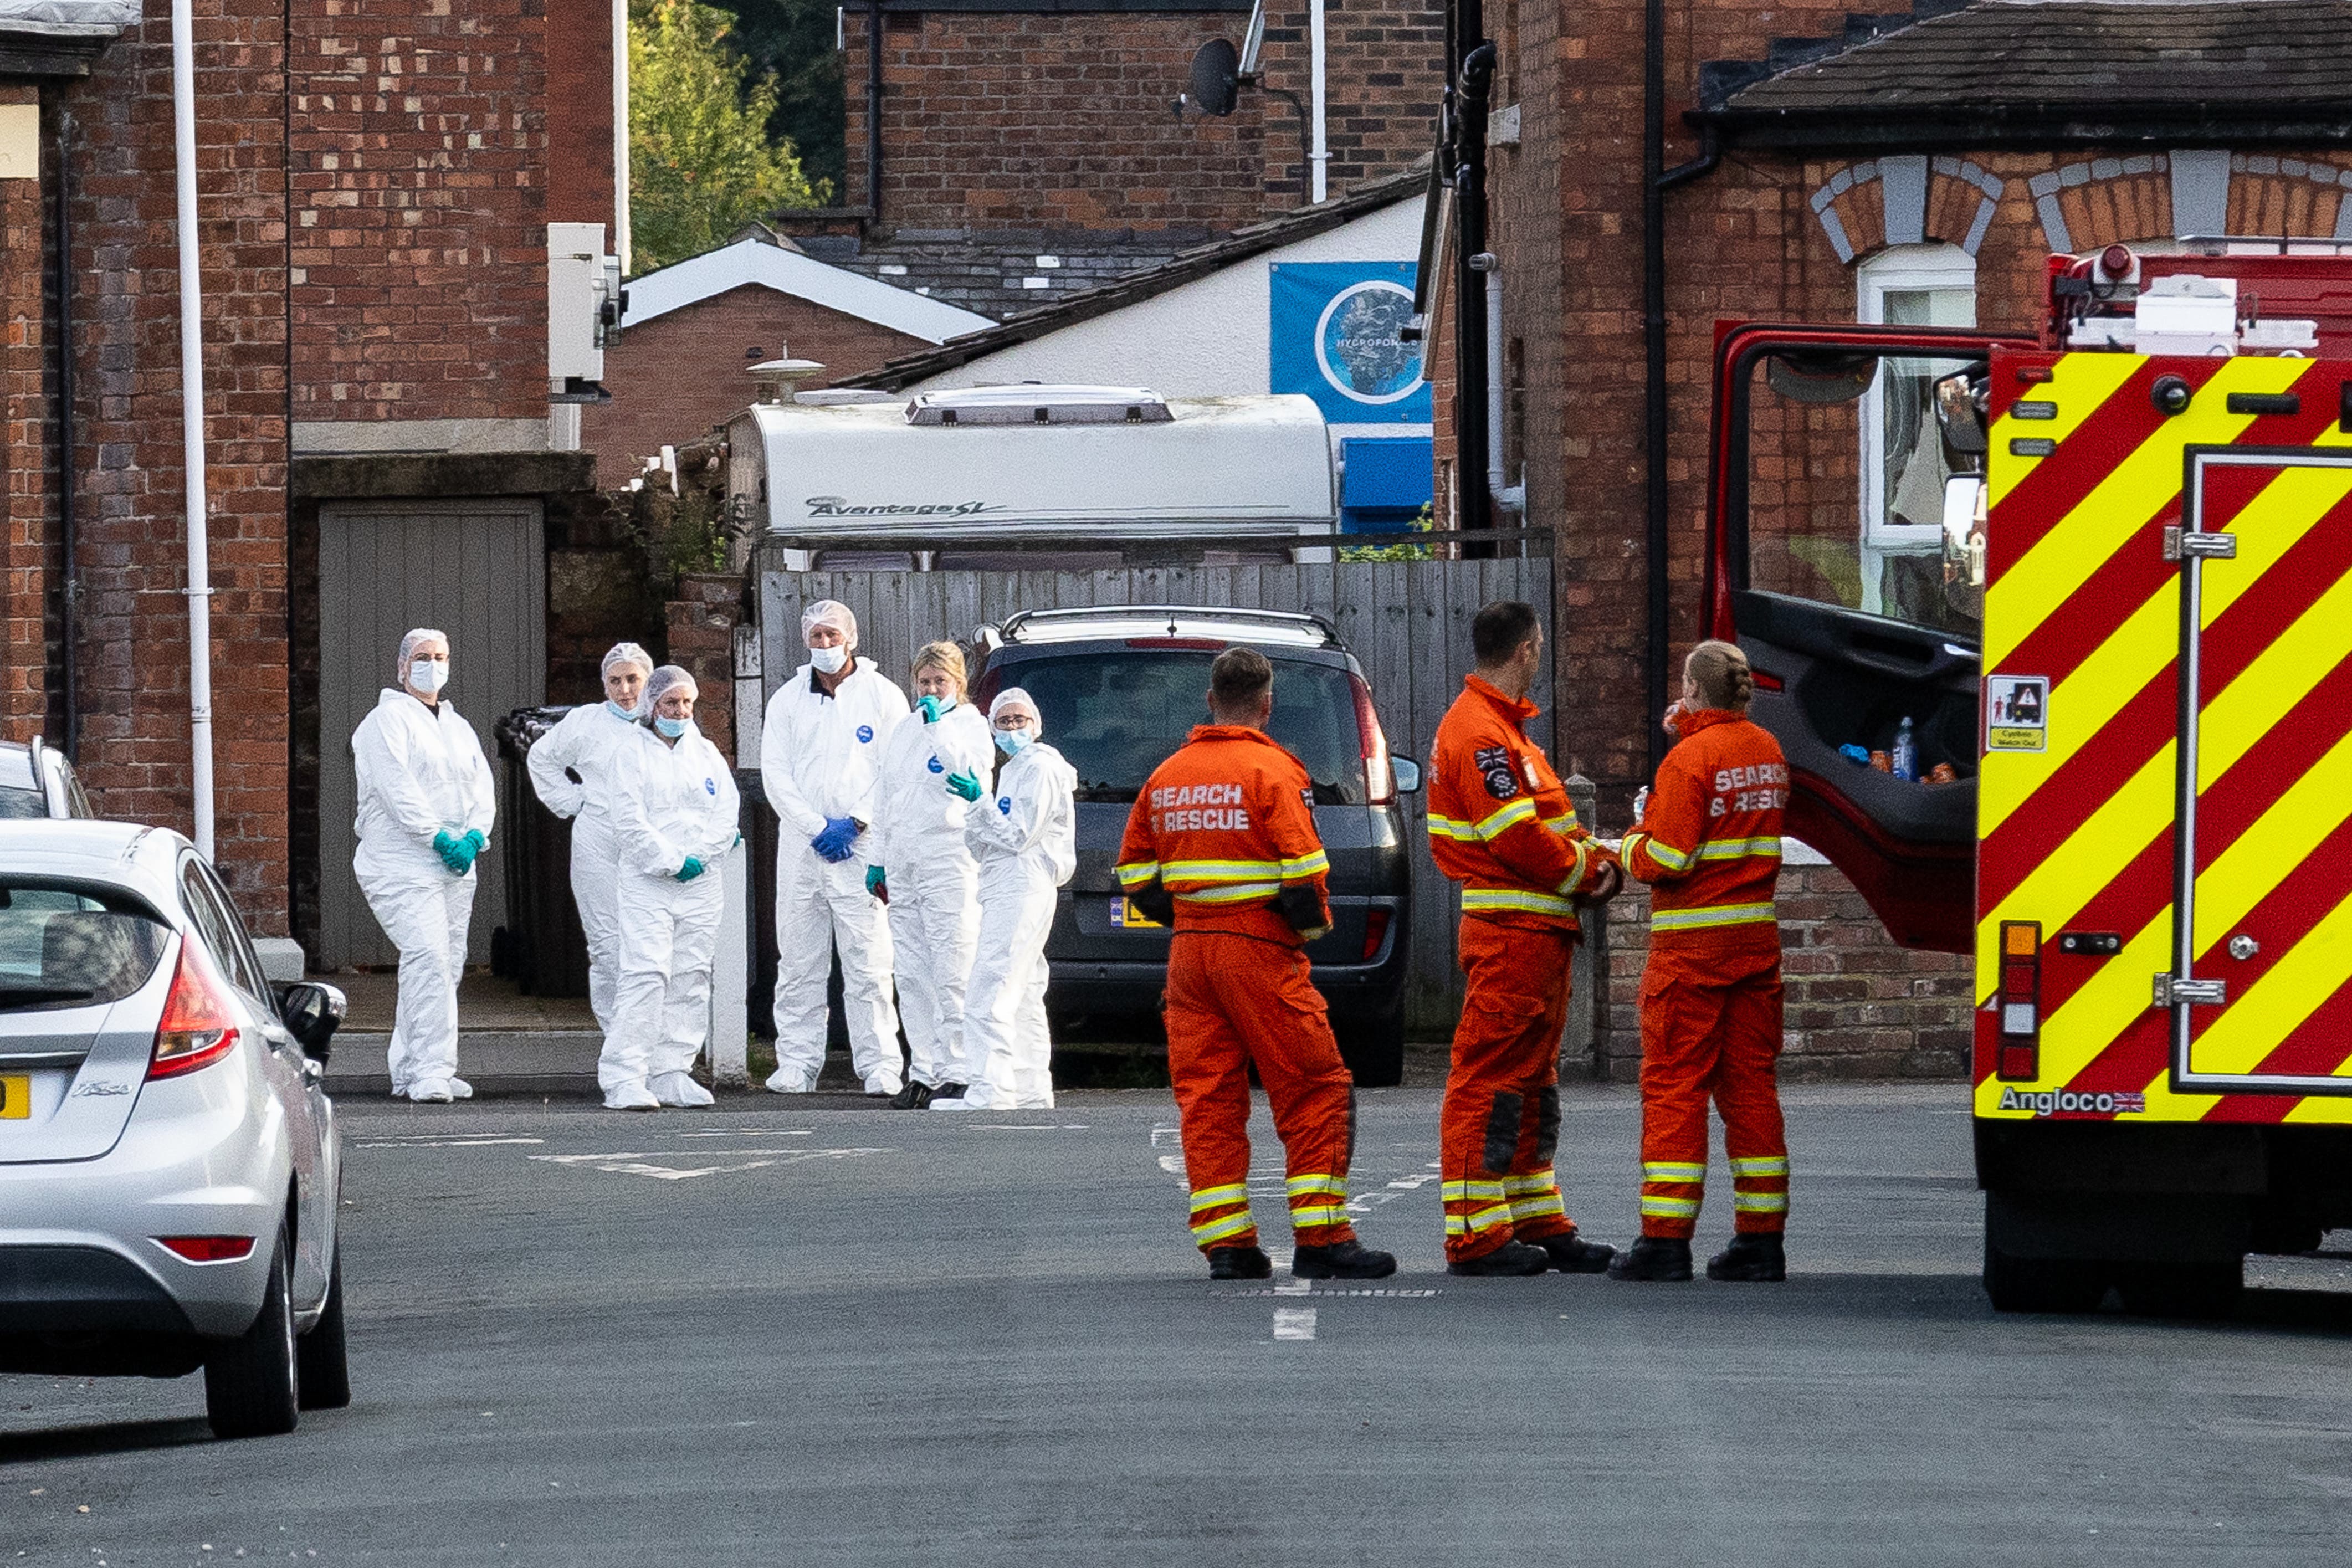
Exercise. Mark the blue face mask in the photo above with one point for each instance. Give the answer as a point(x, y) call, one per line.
point(1010, 741)
point(671, 728)
point(620, 712)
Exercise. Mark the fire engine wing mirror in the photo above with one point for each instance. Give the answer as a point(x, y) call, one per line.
point(1959, 418)
point(1821, 376)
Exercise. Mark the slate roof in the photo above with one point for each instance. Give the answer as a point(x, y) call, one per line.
point(2044, 70)
point(1000, 274)
point(1290, 228)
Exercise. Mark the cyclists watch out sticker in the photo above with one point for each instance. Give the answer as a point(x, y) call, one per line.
point(2017, 712)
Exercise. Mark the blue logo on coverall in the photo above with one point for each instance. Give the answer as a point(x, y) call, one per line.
point(864, 733)
point(934, 766)
point(710, 786)
point(1003, 806)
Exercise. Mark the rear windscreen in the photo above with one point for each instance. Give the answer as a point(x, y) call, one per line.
point(1116, 716)
point(60, 948)
point(25, 803)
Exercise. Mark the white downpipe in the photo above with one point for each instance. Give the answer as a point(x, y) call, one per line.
point(1317, 189)
point(191, 427)
point(1494, 486)
point(620, 133)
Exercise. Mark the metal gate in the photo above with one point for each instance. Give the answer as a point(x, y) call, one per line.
point(1407, 622)
point(477, 570)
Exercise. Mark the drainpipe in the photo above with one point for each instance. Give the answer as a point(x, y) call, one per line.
point(191, 427)
point(620, 236)
point(1495, 480)
point(1656, 180)
point(1321, 155)
point(874, 111)
point(68, 538)
point(1470, 326)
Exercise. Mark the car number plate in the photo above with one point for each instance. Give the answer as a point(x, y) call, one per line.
point(16, 1097)
point(1127, 917)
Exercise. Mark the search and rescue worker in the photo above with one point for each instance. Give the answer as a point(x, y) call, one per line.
point(1222, 843)
point(1707, 839)
point(1501, 825)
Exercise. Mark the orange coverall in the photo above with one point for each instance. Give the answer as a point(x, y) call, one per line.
point(1709, 844)
point(1500, 825)
point(1226, 826)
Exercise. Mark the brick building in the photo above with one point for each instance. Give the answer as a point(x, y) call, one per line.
point(374, 199)
point(1913, 167)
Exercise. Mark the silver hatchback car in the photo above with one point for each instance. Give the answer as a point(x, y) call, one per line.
point(168, 1163)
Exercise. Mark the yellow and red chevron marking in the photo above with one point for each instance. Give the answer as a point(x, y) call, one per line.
point(2079, 835)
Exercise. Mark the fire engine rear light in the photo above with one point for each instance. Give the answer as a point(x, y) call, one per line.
point(209, 1248)
point(199, 1027)
point(2018, 1003)
point(1376, 932)
point(1380, 779)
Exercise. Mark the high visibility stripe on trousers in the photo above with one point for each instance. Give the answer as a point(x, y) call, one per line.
point(1760, 1191)
point(1670, 1193)
point(1318, 1199)
point(1221, 1217)
point(1533, 1195)
point(1475, 1207)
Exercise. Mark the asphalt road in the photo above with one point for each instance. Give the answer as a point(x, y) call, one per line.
point(819, 1334)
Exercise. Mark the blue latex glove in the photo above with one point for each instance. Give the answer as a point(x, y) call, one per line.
point(690, 871)
point(835, 843)
point(452, 857)
point(965, 785)
point(930, 708)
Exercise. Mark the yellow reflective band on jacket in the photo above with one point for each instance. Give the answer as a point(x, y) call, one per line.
point(1673, 859)
point(1764, 1166)
point(1497, 823)
point(1448, 827)
point(1669, 1208)
point(1137, 873)
point(1740, 849)
point(1761, 1202)
point(1217, 1197)
point(1718, 915)
point(1218, 1229)
point(1305, 866)
point(1674, 1170)
point(1307, 1219)
point(1583, 848)
point(1214, 871)
point(1316, 1182)
point(1475, 898)
point(1239, 893)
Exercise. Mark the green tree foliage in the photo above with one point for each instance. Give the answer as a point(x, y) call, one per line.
point(700, 162)
point(794, 41)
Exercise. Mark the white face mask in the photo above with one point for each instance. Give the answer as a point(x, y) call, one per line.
point(428, 675)
point(829, 661)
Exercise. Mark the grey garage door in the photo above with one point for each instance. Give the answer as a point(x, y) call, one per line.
point(477, 570)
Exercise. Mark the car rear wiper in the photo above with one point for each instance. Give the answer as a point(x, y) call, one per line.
point(33, 995)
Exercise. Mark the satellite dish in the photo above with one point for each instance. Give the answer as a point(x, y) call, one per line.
point(1216, 78)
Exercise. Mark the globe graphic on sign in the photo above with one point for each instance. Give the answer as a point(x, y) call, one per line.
point(1357, 345)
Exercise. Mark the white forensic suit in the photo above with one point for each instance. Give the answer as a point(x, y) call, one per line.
point(669, 803)
point(821, 757)
point(588, 741)
point(934, 882)
point(421, 773)
point(1025, 835)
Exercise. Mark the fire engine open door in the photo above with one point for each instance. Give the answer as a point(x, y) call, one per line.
point(2260, 985)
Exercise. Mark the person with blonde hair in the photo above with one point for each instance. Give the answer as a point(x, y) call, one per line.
point(926, 873)
point(1706, 838)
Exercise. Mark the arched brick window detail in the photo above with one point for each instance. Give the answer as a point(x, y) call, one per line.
point(2165, 195)
point(1911, 200)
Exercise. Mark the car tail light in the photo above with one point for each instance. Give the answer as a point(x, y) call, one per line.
point(2018, 1001)
point(1380, 779)
point(199, 1027)
point(1376, 932)
point(209, 1248)
point(1200, 644)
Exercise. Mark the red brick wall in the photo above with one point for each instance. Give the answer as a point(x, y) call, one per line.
point(417, 159)
point(675, 376)
point(30, 565)
point(134, 623)
point(1385, 70)
point(580, 116)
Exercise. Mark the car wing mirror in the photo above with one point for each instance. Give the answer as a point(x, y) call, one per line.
point(312, 1011)
point(1408, 775)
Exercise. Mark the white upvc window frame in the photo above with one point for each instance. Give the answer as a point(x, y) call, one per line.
point(1903, 268)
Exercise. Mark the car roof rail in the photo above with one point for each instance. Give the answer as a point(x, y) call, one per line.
point(1010, 628)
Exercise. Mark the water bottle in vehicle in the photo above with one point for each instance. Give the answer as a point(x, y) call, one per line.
point(1907, 752)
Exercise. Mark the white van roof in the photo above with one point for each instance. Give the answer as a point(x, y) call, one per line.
point(1046, 459)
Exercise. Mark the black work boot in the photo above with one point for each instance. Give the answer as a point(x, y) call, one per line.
point(1239, 1263)
point(1754, 1256)
point(1348, 1259)
point(945, 1091)
point(1653, 1257)
point(913, 1095)
point(1512, 1259)
point(1572, 1253)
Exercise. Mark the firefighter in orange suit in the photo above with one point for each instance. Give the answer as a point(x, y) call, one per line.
point(1222, 842)
point(1707, 839)
point(1500, 825)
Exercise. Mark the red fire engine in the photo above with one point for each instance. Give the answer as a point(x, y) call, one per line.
point(2104, 577)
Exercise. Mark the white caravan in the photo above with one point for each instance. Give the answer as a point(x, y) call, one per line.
point(870, 478)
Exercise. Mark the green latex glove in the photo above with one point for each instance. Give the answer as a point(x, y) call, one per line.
point(874, 878)
point(690, 871)
point(474, 837)
point(965, 785)
point(451, 852)
point(931, 709)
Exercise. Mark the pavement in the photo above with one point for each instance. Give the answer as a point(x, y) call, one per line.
point(814, 1331)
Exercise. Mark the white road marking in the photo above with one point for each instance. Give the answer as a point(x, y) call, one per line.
point(1026, 1126)
point(1294, 1287)
point(749, 1132)
point(629, 1164)
point(444, 1143)
point(1172, 1163)
point(1166, 1137)
point(1294, 1323)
